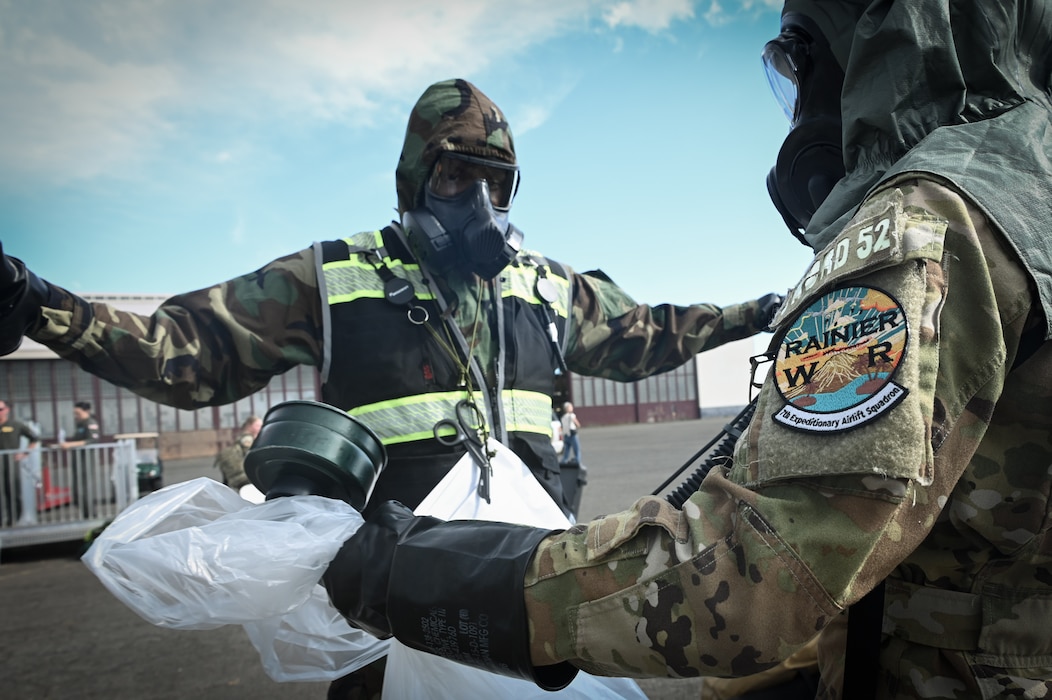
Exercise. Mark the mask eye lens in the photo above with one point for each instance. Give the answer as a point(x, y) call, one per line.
point(454, 173)
point(448, 178)
point(783, 75)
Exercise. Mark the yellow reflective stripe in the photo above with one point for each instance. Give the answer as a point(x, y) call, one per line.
point(408, 418)
point(356, 278)
point(413, 417)
point(349, 283)
point(527, 411)
point(522, 283)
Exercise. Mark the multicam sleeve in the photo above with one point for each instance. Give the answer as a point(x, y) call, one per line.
point(207, 347)
point(612, 336)
point(767, 553)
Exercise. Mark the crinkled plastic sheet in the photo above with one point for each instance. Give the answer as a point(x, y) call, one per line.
point(196, 555)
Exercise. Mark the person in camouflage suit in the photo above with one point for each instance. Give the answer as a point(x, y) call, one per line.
point(890, 499)
point(367, 311)
point(231, 459)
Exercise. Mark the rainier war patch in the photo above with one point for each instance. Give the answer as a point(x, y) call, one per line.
point(836, 361)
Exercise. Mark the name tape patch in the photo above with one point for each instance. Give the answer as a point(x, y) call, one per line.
point(837, 359)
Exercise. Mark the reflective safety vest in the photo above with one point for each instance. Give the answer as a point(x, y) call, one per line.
point(393, 375)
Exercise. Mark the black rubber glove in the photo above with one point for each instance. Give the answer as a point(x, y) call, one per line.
point(357, 579)
point(454, 589)
point(769, 305)
point(21, 295)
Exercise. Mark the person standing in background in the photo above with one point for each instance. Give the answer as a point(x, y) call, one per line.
point(570, 439)
point(11, 433)
point(231, 460)
point(85, 427)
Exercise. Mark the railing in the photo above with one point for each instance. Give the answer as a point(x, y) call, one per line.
point(49, 494)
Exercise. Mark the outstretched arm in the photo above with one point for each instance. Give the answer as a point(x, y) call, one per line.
point(206, 347)
point(614, 337)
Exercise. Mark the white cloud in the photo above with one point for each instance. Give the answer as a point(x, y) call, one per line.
point(91, 88)
point(651, 15)
point(534, 114)
point(64, 106)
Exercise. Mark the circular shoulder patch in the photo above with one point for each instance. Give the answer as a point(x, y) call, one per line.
point(836, 361)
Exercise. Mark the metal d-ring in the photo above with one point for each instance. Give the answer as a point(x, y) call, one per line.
point(412, 319)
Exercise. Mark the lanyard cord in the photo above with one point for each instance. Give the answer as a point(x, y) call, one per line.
point(465, 378)
point(469, 367)
point(375, 258)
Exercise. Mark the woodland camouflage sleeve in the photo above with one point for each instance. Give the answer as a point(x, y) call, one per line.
point(207, 347)
point(614, 337)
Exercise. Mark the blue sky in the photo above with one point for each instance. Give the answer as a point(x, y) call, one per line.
point(158, 147)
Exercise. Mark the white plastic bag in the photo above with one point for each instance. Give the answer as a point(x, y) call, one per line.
point(312, 643)
point(195, 555)
point(515, 497)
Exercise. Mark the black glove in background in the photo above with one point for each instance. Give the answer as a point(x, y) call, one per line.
point(21, 295)
point(454, 589)
point(769, 305)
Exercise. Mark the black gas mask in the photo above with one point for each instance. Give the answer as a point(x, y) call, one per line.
point(807, 81)
point(465, 215)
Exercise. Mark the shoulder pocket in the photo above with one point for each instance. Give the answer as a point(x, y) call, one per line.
point(845, 393)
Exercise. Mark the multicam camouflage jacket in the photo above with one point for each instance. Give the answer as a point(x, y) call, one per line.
point(903, 433)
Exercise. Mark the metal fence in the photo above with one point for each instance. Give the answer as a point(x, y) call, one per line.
point(49, 494)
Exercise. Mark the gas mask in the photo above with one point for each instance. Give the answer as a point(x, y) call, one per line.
point(465, 215)
point(807, 81)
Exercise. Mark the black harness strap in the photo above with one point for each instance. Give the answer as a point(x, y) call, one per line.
point(864, 622)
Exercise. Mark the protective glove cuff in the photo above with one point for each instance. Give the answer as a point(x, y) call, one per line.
point(768, 309)
point(22, 294)
point(456, 590)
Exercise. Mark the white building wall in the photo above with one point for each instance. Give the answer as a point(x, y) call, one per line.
point(723, 375)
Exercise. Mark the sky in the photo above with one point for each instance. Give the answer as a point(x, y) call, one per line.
point(159, 146)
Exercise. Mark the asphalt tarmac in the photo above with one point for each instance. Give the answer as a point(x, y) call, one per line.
point(64, 636)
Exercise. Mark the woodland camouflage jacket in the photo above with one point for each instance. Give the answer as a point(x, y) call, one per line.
point(216, 345)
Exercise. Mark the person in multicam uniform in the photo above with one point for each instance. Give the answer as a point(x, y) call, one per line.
point(891, 495)
point(368, 311)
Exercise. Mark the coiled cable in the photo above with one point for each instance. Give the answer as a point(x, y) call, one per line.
point(722, 455)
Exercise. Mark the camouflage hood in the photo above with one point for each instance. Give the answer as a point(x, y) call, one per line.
point(956, 88)
point(452, 115)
